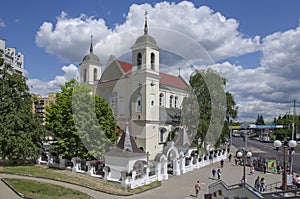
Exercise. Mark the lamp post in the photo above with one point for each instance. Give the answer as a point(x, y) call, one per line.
point(244, 155)
point(291, 144)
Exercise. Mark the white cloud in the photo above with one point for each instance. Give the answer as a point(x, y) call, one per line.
point(69, 37)
point(43, 88)
point(2, 24)
point(257, 91)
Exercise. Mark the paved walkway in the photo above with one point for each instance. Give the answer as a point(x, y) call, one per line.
point(176, 187)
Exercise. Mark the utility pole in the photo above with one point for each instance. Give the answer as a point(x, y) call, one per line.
point(293, 124)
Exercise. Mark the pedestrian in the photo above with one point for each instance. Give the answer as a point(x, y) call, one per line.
point(262, 184)
point(229, 157)
point(243, 181)
point(278, 169)
point(252, 170)
point(297, 181)
point(265, 167)
point(214, 171)
point(219, 174)
point(197, 188)
point(257, 183)
point(222, 163)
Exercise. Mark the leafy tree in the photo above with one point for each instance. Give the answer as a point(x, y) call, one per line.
point(83, 124)
point(215, 106)
point(21, 132)
point(286, 120)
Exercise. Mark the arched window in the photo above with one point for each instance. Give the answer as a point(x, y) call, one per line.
point(139, 60)
point(161, 99)
point(95, 74)
point(139, 102)
point(171, 101)
point(152, 61)
point(176, 101)
point(84, 75)
point(161, 137)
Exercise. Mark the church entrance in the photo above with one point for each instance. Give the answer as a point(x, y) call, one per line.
point(172, 162)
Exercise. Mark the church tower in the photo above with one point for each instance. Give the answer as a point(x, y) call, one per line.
point(90, 69)
point(145, 99)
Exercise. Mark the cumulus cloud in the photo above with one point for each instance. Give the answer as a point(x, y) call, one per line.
point(37, 86)
point(257, 91)
point(69, 37)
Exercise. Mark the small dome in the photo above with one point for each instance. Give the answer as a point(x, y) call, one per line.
point(91, 59)
point(145, 40)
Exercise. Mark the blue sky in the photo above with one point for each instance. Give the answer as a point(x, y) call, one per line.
point(251, 38)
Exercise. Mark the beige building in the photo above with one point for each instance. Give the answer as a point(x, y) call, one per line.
point(10, 56)
point(141, 96)
point(40, 103)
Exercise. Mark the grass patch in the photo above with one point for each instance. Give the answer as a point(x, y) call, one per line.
point(33, 189)
point(76, 178)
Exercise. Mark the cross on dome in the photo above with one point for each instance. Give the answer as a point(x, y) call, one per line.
point(146, 24)
point(91, 48)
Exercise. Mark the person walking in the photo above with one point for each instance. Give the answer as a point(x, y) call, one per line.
point(257, 183)
point(229, 157)
point(197, 188)
point(219, 174)
point(265, 167)
point(214, 171)
point(222, 163)
point(262, 184)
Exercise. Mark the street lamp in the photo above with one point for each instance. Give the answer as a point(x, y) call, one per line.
point(243, 154)
point(291, 144)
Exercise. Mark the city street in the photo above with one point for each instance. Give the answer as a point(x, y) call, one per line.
point(270, 150)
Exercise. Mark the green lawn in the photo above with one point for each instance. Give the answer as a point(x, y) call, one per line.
point(37, 190)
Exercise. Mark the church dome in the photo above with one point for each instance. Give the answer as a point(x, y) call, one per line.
point(145, 39)
point(91, 59)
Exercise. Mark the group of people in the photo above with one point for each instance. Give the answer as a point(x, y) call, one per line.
point(260, 184)
point(218, 172)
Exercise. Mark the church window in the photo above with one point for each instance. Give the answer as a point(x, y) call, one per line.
point(161, 99)
point(139, 103)
point(152, 61)
point(139, 60)
point(161, 137)
point(84, 75)
point(95, 74)
point(171, 101)
point(176, 102)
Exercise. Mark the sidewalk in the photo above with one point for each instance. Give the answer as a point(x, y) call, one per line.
point(178, 187)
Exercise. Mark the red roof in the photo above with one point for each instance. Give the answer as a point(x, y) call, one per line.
point(173, 81)
point(125, 66)
point(165, 79)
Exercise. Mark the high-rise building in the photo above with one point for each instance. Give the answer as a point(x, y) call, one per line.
point(10, 56)
point(40, 103)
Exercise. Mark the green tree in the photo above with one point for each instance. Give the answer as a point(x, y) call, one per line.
point(216, 106)
point(21, 132)
point(83, 124)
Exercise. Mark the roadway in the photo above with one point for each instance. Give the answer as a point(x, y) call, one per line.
point(269, 150)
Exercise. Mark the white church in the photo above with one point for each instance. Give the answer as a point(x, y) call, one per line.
point(146, 104)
